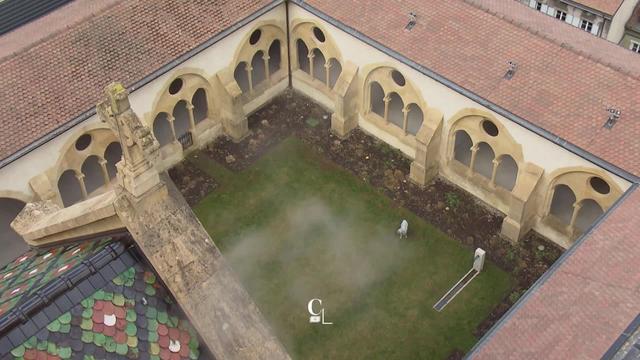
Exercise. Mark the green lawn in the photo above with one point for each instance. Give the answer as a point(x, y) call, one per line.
point(295, 227)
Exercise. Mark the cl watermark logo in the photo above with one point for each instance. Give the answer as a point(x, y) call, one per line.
point(317, 317)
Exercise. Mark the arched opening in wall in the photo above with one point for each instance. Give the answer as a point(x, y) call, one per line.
point(162, 129)
point(275, 60)
point(319, 69)
point(396, 116)
point(83, 142)
point(599, 185)
point(11, 243)
point(303, 56)
point(241, 76)
point(93, 176)
point(377, 99)
point(462, 147)
point(414, 119)
point(181, 118)
point(318, 34)
point(588, 213)
point(484, 160)
point(200, 107)
point(113, 154)
point(507, 172)
point(258, 74)
point(69, 188)
point(335, 69)
point(175, 86)
point(562, 203)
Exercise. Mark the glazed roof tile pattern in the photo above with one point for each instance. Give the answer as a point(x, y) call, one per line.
point(555, 87)
point(61, 77)
point(133, 317)
point(33, 270)
point(580, 311)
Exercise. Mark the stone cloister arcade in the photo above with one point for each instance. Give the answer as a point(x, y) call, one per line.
point(471, 148)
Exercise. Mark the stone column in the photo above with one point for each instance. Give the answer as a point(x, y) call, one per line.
point(83, 187)
point(405, 115)
point(474, 152)
point(171, 119)
point(192, 122)
point(386, 100)
point(266, 58)
point(576, 209)
point(105, 171)
point(311, 56)
point(494, 170)
point(327, 66)
point(250, 77)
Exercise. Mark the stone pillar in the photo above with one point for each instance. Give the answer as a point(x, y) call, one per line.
point(494, 170)
point(576, 209)
point(266, 58)
point(386, 100)
point(105, 171)
point(327, 66)
point(250, 77)
point(83, 186)
point(311, 56)
point(171, 119)
point(474, 152)
point(192, 122)
point(405, 115)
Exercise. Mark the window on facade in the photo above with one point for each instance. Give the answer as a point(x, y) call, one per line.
point(538, 5)
point(635, 47)
point(586, 25)
point(561, 15)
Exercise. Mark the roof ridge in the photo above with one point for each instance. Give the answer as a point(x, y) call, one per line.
point(547, 36)
point(56, 33)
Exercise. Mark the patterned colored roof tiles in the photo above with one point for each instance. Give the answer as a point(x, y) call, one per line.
point(122, 320)
point(33, 270)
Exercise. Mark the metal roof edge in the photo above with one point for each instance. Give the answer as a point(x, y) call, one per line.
point(473, 96)
point(144, 81)
point(547, 274)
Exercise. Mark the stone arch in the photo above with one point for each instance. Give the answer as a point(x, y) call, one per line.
point(181, 118)
point(113, 155)
point(404, 92)
point(506, 172)
point(257, 52)
point(335, 69)
point(70, 188)
point(462, 148)
point(578, 180)
point(193, 79)
point(101, 135)
point(483, 164)
point(377, 99)
point(11, 243)
point(162, 129)
point(319, 65)
point(415, 117)
point(395, 113)
point(275, 56)
point(241, 75)
point(200, 106)
point(587, 213)
point(302, 52)
point(562, 203)
point(94, 177)
point(304, 30)
point(258, 70)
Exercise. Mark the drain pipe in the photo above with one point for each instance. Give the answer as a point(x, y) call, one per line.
point(286, 9)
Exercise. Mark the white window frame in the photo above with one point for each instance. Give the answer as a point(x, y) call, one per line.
point(634, 46)
point(562, 15)
point(586, 25)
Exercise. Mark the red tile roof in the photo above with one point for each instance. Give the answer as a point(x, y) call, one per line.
point(586, 304)
point(60, 78)
point(609, 7)
point(563, 83)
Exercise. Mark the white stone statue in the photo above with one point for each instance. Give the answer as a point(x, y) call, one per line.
point(404, 227)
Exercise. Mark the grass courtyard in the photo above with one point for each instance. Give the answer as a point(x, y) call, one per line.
point(295, 226)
